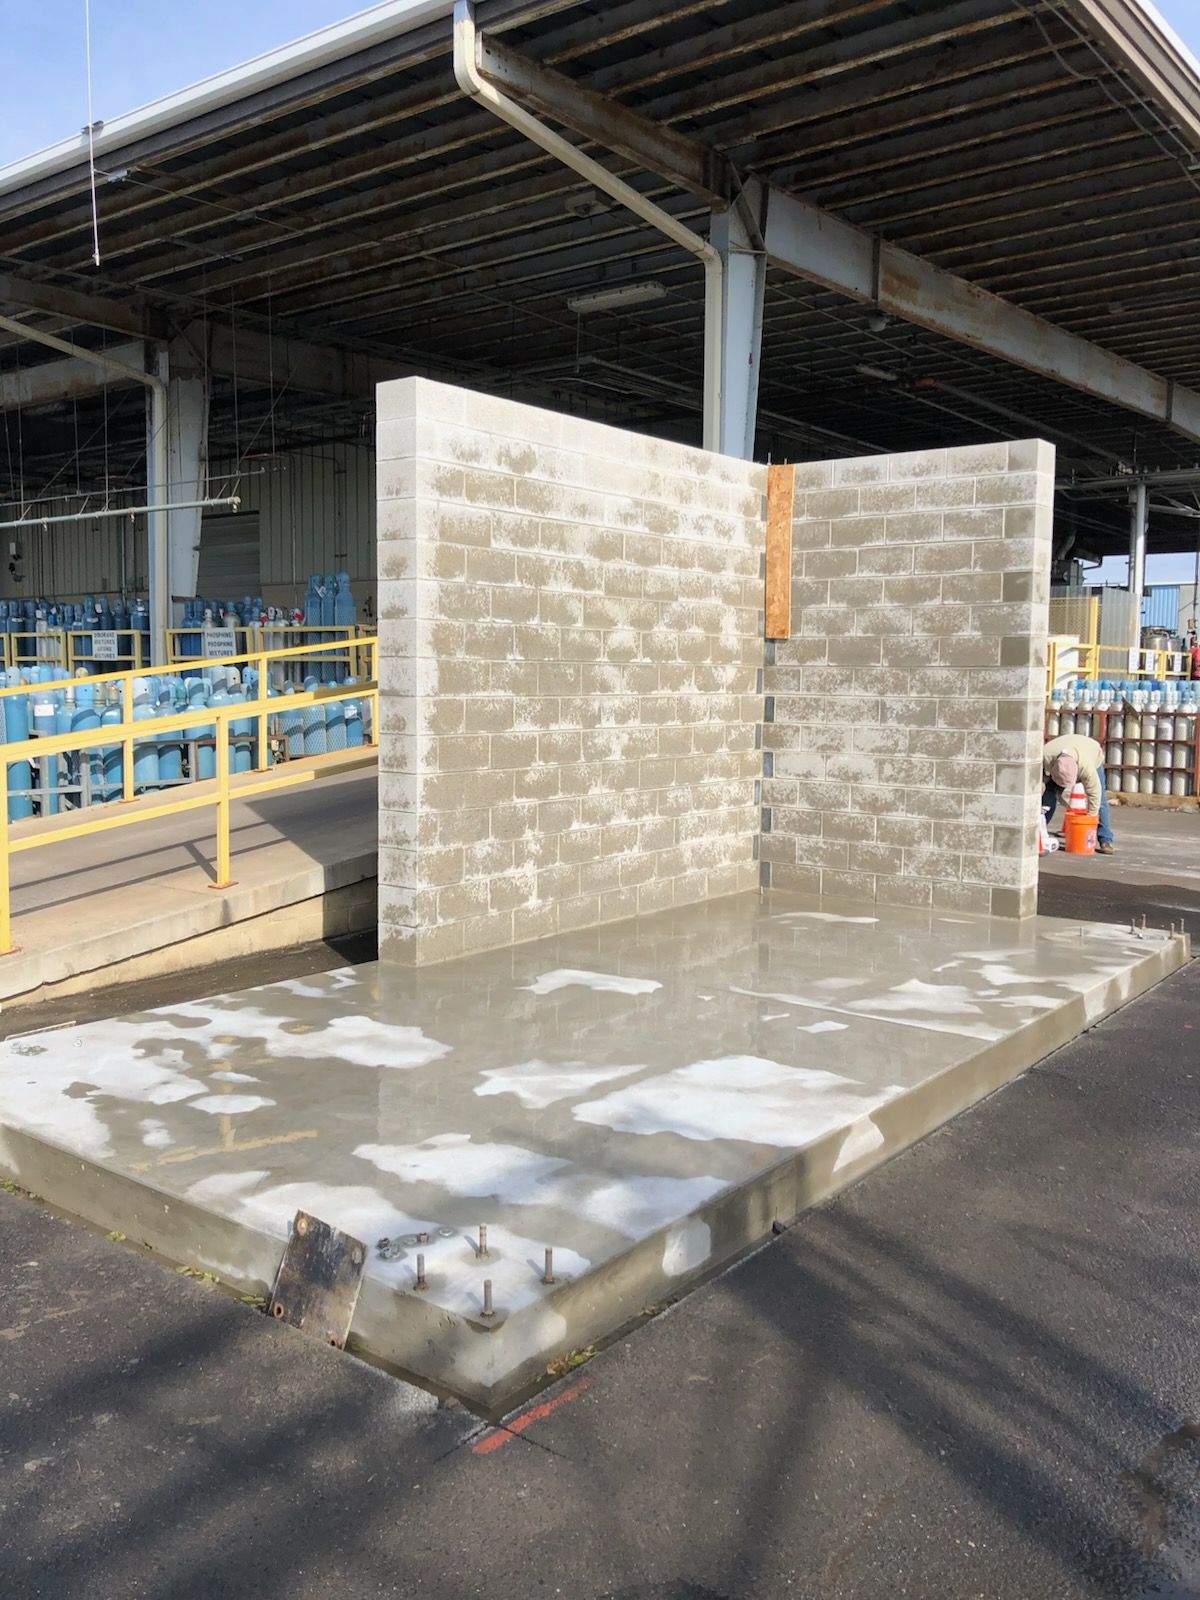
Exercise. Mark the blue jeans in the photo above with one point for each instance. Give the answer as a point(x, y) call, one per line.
point(1052, 794)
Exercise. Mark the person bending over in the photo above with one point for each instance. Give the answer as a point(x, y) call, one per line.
point(1077, 759)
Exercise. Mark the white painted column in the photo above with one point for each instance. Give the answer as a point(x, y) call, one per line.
point(187, 448)
point(1138, 519)
point(157, 494)
point(743, 286)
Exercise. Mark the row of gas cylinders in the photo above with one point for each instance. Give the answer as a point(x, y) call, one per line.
point(163, 760)
point(1151, 726)
point(1146, 780)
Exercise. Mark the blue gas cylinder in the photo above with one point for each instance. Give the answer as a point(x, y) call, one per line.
point(220, 697)
point(205, 755)
point(88, 763)
point(344, 609)
point(68, 765)
point(291, 726)
point(313, 722)
point(44, 721)
point(335, 721)
point(20, 774)
point(170, 745)
point(112, 757)
point(145, 751)
point(241, 753)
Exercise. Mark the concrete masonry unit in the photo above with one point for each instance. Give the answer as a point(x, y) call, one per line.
point(643, 1098)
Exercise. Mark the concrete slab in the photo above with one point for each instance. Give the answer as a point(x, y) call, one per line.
point(644, 1098)
point(136, 901)
point(1152, 847)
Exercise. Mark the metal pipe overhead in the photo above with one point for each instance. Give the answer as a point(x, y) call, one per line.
point(233, 500)
point(470, 81)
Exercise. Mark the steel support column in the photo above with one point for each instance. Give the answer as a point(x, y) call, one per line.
point(1138, 517)
point(157, 479)
point(735, 235)
point(187, 466)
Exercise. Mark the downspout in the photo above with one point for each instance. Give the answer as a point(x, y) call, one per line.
point(156, 468)
point(470, 81)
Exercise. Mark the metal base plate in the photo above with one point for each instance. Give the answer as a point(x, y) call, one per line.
point(316, 1287)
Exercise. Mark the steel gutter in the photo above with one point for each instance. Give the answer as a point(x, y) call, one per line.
point(314, 50)
point(476, 87)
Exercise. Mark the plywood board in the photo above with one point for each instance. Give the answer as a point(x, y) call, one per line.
point(781, 488)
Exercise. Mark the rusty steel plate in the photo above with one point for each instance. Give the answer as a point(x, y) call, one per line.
point(316, 1287)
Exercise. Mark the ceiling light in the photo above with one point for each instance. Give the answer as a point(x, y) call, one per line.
point(877, 372)
point(628, 294)
point(878, 321)
point(587, 204)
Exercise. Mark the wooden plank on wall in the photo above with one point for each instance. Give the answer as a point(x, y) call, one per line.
point(781, 488)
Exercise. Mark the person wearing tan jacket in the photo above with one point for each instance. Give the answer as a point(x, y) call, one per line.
point(1072, 759)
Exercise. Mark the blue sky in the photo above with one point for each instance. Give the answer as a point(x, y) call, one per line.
point(142, 49)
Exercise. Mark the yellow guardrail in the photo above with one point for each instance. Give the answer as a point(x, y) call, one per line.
point(258, 636)
point(61, 647)
point(1096, 661)
point(127, 732)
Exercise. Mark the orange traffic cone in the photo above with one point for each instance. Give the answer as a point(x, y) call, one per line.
point(1080, 827)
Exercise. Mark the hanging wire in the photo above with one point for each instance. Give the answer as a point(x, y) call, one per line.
point(271, 365)
point(91, 131)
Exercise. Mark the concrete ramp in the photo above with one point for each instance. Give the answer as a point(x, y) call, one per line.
point(137, 902)
point(643, 1099)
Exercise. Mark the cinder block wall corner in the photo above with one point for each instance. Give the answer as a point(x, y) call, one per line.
point(570, 668)
point(903, 716)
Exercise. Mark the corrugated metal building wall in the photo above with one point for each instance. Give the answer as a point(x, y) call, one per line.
point(316, 513)
point(1160, 607)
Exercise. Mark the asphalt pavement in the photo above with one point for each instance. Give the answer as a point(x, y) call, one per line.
point(975, 1373)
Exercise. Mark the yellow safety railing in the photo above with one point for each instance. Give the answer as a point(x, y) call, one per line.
point(127, 733)
point(61, 647)
point(361, 655)
point(259, 636)
point(1096, 661)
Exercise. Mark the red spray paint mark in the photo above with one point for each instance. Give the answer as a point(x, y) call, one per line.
point(501, 1436)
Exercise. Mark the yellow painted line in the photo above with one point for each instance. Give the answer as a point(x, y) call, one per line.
point(192, 1154)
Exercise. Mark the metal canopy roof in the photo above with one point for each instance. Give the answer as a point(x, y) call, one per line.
point(1045, 150)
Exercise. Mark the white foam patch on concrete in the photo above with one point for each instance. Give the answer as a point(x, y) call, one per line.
point(454, 1163)
point(821, 1027)
point(736, 1097)
point(210, 1031)
point(53, 1094)
point(826, 916)
point(601, 982)
point(686, 1248)
point(222, 1187)
point(231, 1105)
point(538, 1084)
point(863, 1137)
point(233, 1077)
point(322, 985)
point(940, 1008)
point(641, 1205)
point(155, 1134)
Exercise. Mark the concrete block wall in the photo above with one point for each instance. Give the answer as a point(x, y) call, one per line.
point(571, 672)
point(903, 716)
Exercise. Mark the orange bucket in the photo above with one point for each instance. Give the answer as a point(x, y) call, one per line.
point(1080, 830)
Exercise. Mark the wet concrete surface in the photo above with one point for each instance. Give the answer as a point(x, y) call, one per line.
point(971, 1374)
point(642, 1099)
point(1155, 873)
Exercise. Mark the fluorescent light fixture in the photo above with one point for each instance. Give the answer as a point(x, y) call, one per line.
point(627, 294)
point(880, 373)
